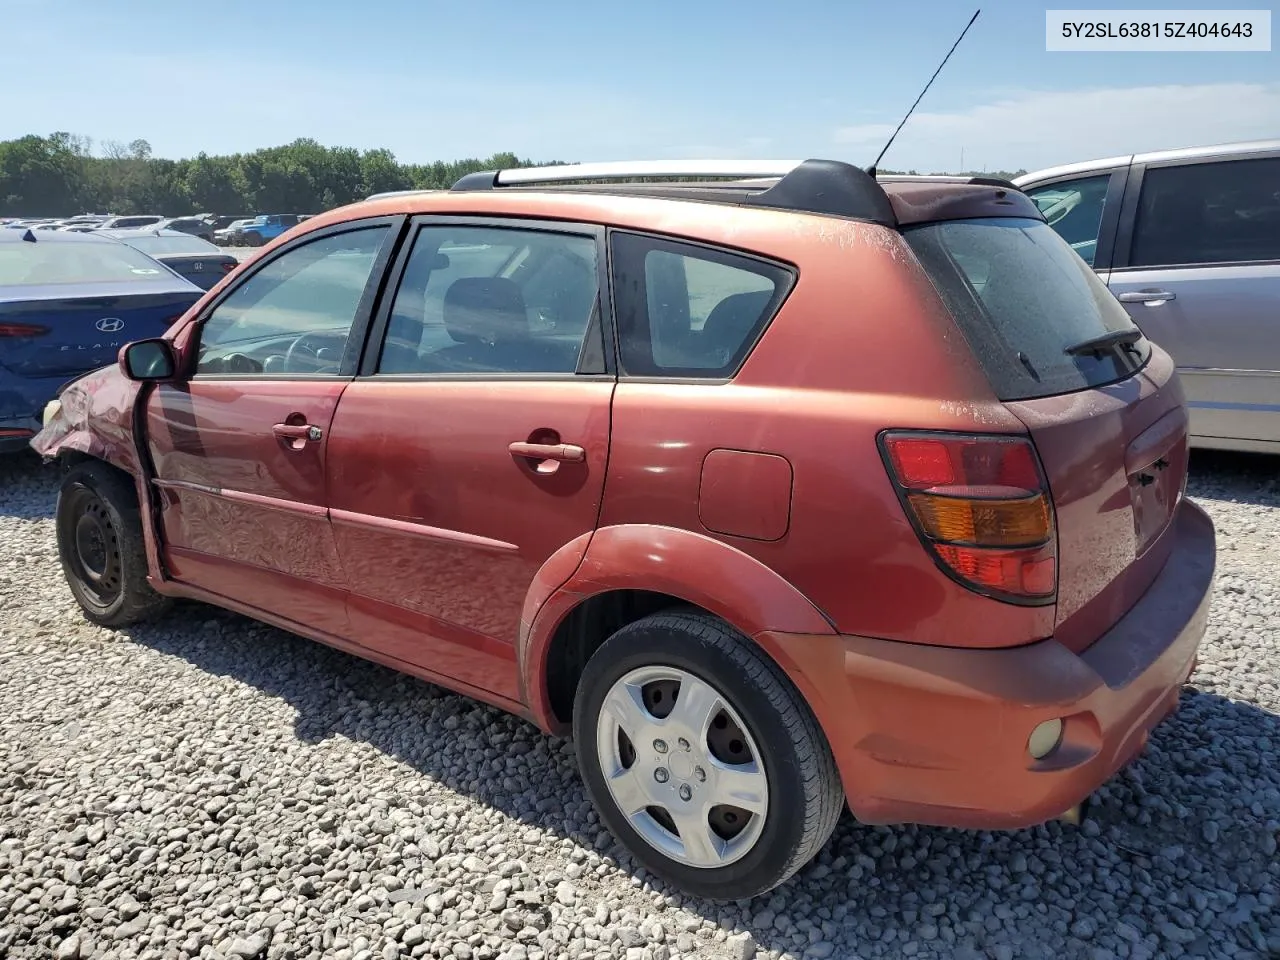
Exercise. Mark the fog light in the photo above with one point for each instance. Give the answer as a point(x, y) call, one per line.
point(1045, 738)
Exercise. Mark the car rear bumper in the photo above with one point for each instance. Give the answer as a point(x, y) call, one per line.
point(939, 735)
point(16, 433)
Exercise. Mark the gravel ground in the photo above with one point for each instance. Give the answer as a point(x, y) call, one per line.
point(210, 787)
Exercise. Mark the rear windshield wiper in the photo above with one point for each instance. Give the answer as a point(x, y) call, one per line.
point(1107, 341)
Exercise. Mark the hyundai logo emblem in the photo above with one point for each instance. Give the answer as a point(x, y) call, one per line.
point(110, 324)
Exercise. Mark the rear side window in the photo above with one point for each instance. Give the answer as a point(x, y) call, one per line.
point(1208, 213)
point(689, 311)
point(1023, 300)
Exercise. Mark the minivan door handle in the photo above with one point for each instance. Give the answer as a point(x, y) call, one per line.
point(1152, 298)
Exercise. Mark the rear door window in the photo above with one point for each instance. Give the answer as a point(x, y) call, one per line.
point(495, 300)
point(1225, 212)
point(690, 311)
point(1024, 300)
point(1074, 209)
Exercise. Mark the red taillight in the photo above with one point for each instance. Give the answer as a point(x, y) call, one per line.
point(982, 507)
point(230, 265)
point(6, 432)
point(22, 330)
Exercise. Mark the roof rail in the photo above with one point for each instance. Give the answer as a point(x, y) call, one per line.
point(808, 186)
point(634, 169)
point(395, 193)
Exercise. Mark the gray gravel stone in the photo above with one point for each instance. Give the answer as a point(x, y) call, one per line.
point(205, 786)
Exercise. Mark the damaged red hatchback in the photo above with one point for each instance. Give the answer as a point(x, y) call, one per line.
point(780, 489)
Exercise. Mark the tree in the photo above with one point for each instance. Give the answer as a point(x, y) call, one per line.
point(40, 176)
point(60, 174)
point(215, 185)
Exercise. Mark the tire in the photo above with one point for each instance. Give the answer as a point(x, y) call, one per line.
point(254, 240)
point(100, 544)
point(748, 709)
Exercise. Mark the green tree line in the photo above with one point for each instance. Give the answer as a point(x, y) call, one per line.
point(63, 175)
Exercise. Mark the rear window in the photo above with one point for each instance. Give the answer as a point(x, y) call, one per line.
point(160, 246)
point(36, 264)
point(1022, 297)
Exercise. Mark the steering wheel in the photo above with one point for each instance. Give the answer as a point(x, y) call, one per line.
point(309, 343)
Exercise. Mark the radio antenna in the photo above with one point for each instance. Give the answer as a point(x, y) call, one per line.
point(872, 169)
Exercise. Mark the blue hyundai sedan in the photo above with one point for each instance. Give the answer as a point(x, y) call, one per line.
point(68, 302)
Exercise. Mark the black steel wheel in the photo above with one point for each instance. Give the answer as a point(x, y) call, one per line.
point(101, 546)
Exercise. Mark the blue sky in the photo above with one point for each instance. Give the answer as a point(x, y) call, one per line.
point(598, 81)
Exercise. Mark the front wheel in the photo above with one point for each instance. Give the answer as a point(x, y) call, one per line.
point(702, 758)
point(100, 544)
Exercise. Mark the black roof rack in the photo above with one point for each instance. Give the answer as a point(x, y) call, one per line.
point(828, 187)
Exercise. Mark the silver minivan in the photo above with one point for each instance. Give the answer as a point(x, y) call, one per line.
point(1189, 242)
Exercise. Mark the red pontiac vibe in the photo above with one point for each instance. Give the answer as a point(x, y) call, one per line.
point(780, 489)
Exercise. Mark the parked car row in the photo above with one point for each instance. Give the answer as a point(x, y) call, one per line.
point(202, 225)
point(255, 231)
point(223, 230)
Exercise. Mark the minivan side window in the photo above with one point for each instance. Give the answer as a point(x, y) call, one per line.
point(294, 314)
point(1223, 212)
point(1074, 209)
point(689, 311)
point(494, 300)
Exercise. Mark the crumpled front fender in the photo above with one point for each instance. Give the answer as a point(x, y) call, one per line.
point(93, 416)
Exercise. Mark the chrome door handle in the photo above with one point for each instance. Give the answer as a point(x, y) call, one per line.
point(564, 452)
point(1153, 297)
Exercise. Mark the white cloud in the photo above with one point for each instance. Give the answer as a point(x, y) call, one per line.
point(1041, 129)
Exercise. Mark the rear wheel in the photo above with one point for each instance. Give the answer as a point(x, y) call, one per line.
point(100, 544)
point(702, 758)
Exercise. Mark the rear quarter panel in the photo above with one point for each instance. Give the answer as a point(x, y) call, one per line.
point(862, 344)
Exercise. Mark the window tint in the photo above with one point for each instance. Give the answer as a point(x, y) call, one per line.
point(1074, 209)
point(1208, 213)
point(293, 315)
point(493, 300)
point(689, 311)
point(1022, 300)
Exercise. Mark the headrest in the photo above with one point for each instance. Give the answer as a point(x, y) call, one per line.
point(728, 323)
point(485, 310)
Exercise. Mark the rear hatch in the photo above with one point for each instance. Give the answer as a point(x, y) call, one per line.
point(55, 331)
point(1102, 404)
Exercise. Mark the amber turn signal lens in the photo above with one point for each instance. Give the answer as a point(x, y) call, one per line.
point(988, 523)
